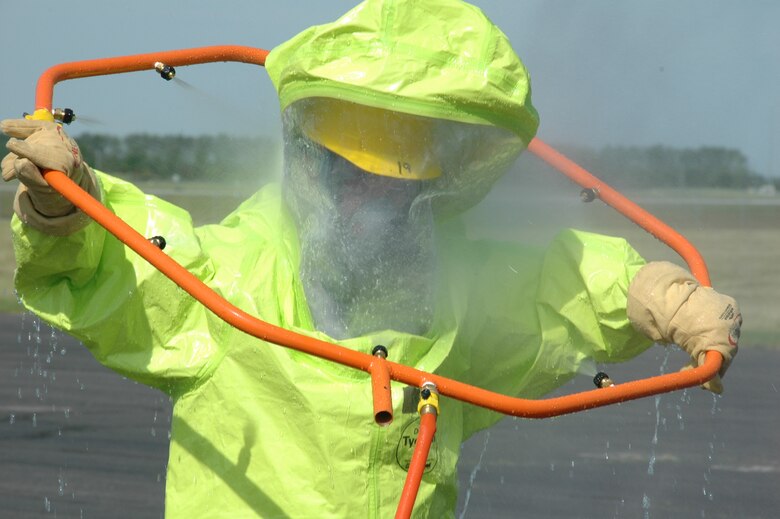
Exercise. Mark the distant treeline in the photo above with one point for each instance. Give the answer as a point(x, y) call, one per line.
point(662, 166)
point(211, 157)
point(206, 157)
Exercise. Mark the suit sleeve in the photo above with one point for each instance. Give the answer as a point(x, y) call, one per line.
point(133, 319)
point(536, 319)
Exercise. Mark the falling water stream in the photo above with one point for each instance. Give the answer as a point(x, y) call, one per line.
point(46, 440)
point(661, 424)
point(42, 351)
point(473, 475)
point(647, 456)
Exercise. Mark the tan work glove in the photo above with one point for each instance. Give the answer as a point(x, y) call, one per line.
point(666, 303)
point(45, 145)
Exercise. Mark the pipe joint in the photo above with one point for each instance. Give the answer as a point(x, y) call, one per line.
point(41, 114)
point(429, 399)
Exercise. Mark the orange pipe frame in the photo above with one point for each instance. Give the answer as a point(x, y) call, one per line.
point(378, 368)
point(417, 465)
point(380, 388)
point(472, 394)
point(624, 206)
point(44, 90)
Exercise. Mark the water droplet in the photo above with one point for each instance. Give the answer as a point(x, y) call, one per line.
point(715, 402)
point(11, 418)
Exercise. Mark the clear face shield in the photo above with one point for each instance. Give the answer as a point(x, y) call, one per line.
point(364, 187)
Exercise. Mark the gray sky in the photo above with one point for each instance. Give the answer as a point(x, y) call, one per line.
point(604, 72)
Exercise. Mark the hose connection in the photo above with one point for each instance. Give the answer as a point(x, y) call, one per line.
point(41, 114)
point(166, 72)
point(429, 399)
point(602, 380)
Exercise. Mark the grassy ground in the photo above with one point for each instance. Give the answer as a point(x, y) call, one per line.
point(736, 233)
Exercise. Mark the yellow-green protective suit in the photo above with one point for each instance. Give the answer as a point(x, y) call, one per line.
point(262, 430)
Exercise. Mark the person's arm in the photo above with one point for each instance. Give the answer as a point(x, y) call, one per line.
point(84, 281)
point(661, 301)
point(588, 298)
point(537, 318)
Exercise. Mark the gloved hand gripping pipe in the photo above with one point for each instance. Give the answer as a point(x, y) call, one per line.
point(380, 369)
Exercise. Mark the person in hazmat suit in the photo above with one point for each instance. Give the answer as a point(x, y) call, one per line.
point(397, 118)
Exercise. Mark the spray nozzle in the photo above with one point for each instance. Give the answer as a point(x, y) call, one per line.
point(64, 115)
point(158, 241)
point(167, 72)
point(602, 380)
point(589, 194)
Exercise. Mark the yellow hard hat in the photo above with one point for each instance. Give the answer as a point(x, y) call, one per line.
point(383, 142)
